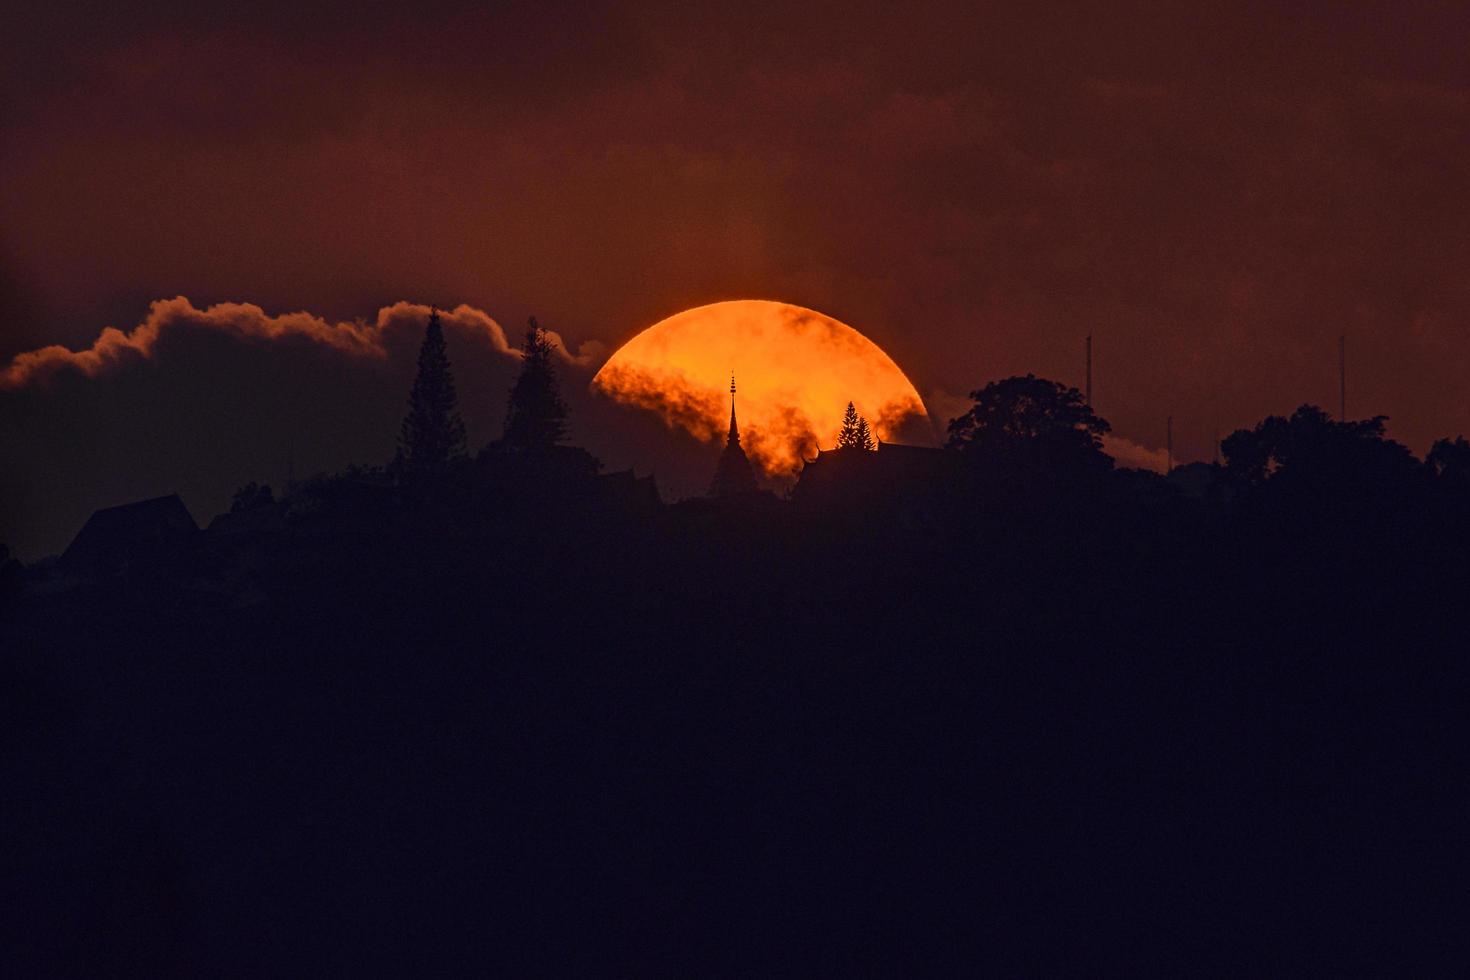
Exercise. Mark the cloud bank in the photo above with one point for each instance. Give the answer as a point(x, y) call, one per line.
point(202, 400)
point(114, 350)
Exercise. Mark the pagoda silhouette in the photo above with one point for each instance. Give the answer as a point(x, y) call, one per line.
point(733, 473)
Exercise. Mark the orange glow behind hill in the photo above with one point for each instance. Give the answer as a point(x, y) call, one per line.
point(796, 370)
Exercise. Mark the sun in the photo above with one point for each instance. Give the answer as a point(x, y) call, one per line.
point(796, 371)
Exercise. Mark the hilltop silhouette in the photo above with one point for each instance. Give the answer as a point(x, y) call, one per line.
point(1001, 705)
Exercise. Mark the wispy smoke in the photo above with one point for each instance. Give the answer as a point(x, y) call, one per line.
point(945, 405)
point(678, 402)
point(781, 442)
point(1126, 452)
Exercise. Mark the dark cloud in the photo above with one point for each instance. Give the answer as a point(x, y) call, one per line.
point(115, 350)
point(201, 401)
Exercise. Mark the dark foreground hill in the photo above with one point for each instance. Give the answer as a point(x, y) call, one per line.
point(526, 724)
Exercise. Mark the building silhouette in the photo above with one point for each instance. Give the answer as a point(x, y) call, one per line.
point(907, 486)
point(733, 473)
point(115, 539)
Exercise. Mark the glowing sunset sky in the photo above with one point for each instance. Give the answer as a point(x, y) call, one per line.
point(1214, 194)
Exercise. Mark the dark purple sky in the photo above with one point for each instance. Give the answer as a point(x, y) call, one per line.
point(1214, 191)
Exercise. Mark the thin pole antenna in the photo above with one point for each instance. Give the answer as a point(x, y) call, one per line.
point(1169, 441)
point(1089, 370)
point(1216, 437)
point(1342, 378)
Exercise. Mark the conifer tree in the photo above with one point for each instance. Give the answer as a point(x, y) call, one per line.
point(432, 433)
point(855, 433)
point(536, 415)
point(847, 437)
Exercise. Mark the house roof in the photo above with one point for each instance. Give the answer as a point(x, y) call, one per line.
point(144, 524)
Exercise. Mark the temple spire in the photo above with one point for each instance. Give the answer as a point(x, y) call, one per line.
point(733, 475)
point(734, 437)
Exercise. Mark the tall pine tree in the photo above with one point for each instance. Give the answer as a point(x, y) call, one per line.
point(854, 434)
point(536, 416)
point(432, 433)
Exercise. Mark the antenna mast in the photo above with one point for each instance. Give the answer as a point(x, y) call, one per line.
point(1089, 370)
point(1342, 377)
point(1169, 441)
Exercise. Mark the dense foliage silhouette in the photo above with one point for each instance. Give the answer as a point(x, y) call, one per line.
point(1031, 424)
point(1449, 460)
point(854, 433)
point(251, 497)
point(432, 436)
point(536, 415)
point(999, 706)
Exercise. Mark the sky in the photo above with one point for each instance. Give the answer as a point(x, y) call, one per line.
point(1214, 191)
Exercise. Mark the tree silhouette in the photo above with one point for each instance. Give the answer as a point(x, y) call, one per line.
point(1449, 460)
point(1312, 446)
point(536, 415)
point(854, 433)
point(432, 433)
point(10, 572)
point(1032, 422)
point(251, 496)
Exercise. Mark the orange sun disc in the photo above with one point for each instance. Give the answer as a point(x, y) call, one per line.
point(796, 370)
